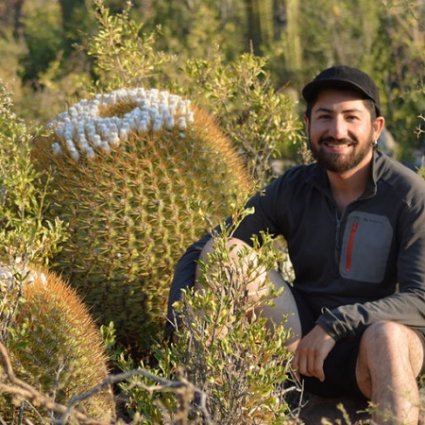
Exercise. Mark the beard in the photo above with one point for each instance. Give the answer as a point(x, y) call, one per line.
point(341, 163)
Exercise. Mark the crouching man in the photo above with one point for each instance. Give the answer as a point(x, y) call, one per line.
point(354, 222)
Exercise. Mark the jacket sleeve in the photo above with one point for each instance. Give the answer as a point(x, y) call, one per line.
point(184, 277)
point(407, 306)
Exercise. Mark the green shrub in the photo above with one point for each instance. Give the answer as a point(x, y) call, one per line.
point(25, 234)
point(262, 123)
point(43, 37)
point(239, 376)
point(124, 55)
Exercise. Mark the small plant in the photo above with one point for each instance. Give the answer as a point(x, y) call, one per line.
point(123, 54)
point(25, 234)
point(240, 375)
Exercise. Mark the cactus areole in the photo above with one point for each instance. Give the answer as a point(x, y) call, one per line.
point(138, 175)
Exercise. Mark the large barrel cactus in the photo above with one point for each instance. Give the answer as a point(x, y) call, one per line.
point(138, 175)
point(55, 345)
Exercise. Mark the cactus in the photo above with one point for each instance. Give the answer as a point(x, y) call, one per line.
point(138, 175)
point(261, 23)
point(292, 39)
point(55, 345)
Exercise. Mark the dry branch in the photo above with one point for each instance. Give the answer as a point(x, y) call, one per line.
point(18, 388)
point(21, 389)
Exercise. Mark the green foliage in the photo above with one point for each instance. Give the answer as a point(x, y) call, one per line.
point(43, 39)
point(262, 122)
point(124, 56)
point(237, 364)
point(25, 234)
point(131, 214)
point(51, 31)
point(195, 28)
point(11, 49)
point(53, 343)
point(11, 298)
point(76, 22)
point(399, 62)
point(347, 33)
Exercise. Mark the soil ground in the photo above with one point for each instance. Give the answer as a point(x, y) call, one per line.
point(316, 408)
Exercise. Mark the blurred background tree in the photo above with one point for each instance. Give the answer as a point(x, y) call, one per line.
point(43, 46)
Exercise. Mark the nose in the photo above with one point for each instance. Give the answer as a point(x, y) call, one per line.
point(338, 128)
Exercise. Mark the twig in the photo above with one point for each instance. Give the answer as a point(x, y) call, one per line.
point(21, 413)
point(28, 393)
point(164, 385)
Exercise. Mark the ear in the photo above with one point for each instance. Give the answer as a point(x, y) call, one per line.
point(378, 126)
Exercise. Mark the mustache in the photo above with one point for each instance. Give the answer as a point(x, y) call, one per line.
point(344, 141)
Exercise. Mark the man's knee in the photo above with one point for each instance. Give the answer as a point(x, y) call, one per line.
point(382, 336)
point(258, 283)
point(243, 260)
point(387, 337)
point(373, 351)
point(391, 343)
point(387, 346)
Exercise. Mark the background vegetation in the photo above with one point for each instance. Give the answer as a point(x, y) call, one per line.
point(47, 58)
point(243, 61)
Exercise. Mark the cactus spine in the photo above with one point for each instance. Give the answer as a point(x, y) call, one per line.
point(134, 208)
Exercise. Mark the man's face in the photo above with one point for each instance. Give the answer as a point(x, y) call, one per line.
point(341, 131)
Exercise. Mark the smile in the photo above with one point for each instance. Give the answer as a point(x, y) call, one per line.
point(337, 147)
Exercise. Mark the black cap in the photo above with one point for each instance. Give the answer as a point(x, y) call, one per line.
point(345, 77)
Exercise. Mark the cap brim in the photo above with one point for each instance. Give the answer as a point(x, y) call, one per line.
point(311, 90)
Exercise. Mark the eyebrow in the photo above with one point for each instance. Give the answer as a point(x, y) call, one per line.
point(323, 109)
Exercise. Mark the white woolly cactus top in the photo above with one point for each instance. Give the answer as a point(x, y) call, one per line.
point(84, 129)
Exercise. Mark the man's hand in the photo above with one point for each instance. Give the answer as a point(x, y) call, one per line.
point(312, 352)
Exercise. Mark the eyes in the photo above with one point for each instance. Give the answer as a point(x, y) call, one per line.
point(329, 117)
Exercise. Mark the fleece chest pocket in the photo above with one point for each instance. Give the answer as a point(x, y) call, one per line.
point(365, 247)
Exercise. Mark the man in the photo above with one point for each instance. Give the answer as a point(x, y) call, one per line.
point(354, 223)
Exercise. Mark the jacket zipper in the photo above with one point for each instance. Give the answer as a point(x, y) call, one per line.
point(349, 253)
